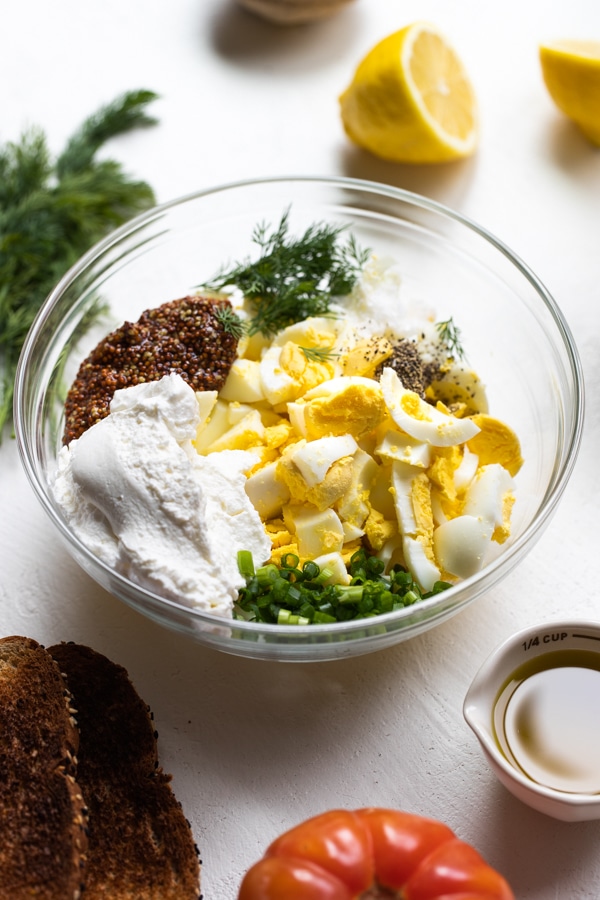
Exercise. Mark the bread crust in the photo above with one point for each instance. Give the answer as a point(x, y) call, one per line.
point(140, 843)
point(42, 812)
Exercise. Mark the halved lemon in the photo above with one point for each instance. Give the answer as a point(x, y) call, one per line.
point(571, 71)
point(411, 100)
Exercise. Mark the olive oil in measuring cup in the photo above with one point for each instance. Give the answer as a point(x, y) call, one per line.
point(546, 720)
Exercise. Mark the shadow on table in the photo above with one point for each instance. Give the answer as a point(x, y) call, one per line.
point(541, 855)
point(448, 183)
point(571, 150)
point(243, 38)
point(284, 729)
point(285, 707)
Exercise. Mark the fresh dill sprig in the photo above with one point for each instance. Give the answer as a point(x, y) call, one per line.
point(449, 335)
point(319, 354)
point(52, 211)
point(293, 278)
point(230, 321)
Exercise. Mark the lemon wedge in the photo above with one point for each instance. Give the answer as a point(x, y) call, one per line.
point(411, 100)
point(571, 72)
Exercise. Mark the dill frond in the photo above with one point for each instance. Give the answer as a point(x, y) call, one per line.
point(449, 335)
point(319, 354)
point(293, 278)
point(230, 321)
point(52, 211)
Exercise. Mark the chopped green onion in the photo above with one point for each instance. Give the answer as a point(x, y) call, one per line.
point(267, 574)
point(290, 561)
point(245, 563)
point(294, 595)
point(324, 576)
point(310, 569)
point(321, 618)
point(350, 593)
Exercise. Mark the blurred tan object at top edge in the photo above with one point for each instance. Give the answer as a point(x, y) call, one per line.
point(294, 12)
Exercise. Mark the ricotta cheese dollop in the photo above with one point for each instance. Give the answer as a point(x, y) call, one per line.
point(136, 492)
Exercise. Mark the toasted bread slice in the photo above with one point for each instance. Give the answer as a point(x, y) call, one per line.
point(140, 843)
point(42, 812)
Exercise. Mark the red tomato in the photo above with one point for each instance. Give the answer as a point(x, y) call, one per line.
point(370, 853)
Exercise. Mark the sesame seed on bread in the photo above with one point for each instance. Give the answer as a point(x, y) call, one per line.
point(42, 812)
point(140, 843)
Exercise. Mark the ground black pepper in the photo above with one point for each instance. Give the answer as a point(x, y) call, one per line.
point(183, 336)
point(409, 367)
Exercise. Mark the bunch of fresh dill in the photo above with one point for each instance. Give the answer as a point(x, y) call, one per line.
point(293, 278)
point(52, 211)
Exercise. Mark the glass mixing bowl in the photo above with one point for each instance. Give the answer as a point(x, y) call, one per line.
point(514, 335)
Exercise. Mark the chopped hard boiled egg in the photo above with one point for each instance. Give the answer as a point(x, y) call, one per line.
point(397, 445)
point(421, 420)
point(247, 432)
point(317, 531)
point(323, 493)
point(243, 382)
point(347, 457)
point(348, 404)
point(461, 545)
point(490, 498)
point(459, 386)
point(354, 507)
point(496, 443)
point(315, 458)
point(267, 492)
point(419, 561)
point(334, 563)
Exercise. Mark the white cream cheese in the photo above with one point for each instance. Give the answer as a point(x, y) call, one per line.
point(140, 497)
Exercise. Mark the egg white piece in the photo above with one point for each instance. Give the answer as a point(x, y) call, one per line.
point(296, 412)
point(314, 331)
point(317, 532)
point(336, 565)
point(402, 484)
point(423, 570)
point(243, 382)
point(466, 471)
point(392, 552)
point(485, 496)
point(276, 384)
point(315, 458)
point(216, 424)
point(206, 403)
point(247, 432)
point(461, 544)
point(339, 384)
point(439, 515)
point(266, 492)
point(351, 531)
point(401, 446)
point(421, 420)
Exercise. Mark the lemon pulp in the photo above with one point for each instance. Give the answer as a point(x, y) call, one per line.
point(411, 99)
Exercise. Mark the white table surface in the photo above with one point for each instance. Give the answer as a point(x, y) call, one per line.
point(255, 747)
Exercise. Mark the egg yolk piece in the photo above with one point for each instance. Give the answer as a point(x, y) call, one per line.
point(496, 443)
point(348, 404)
point(322, 494)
